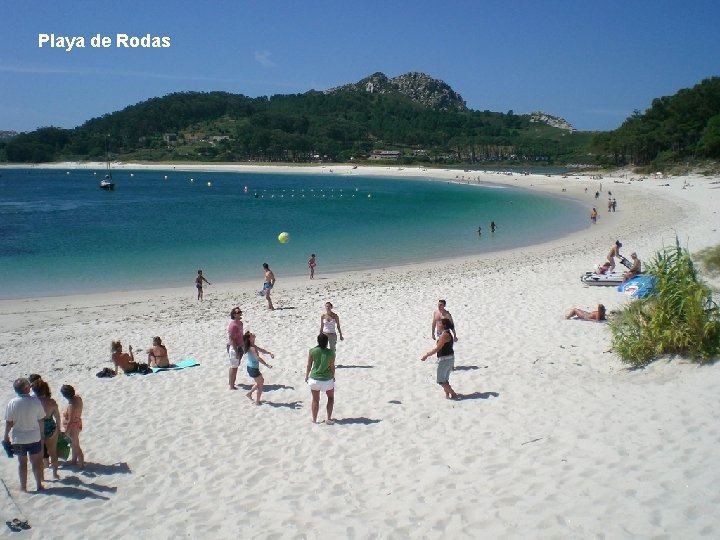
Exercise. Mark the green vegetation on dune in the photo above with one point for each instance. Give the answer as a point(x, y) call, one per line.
point(681, 318)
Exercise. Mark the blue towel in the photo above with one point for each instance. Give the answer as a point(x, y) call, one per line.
point(640, 286)
point(182, 364)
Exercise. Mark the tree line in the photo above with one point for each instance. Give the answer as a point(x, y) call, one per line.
point(219, 126)
point(685, 126)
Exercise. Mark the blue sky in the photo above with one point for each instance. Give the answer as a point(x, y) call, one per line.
point(591, 63)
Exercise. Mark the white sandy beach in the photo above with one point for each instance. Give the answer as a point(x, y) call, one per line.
point(554, 437)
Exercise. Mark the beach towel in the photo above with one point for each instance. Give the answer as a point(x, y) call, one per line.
point(182, 364)
point(638, 287)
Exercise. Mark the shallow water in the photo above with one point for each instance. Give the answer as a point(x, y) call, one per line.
point(61, 234)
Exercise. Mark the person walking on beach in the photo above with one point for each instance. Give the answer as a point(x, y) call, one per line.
point(199, 284)
point(253, 362)
point(330, 326)
point(446, 358)
point(234, 344)
point(268, 284)
point(51, 423)
point(312, 263)
point(72, 421)
point(439, 314)
point(614, 252)
point(320, 377)
point(24, 415)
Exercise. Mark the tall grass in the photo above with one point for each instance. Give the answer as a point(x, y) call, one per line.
point(680, 318)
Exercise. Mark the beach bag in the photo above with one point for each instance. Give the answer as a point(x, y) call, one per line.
point(63, 446)
point(144, 369)
point(105, 373)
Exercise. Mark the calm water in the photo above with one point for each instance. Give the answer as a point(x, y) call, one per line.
point(60, 233)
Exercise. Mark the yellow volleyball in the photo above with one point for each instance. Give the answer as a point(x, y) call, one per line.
point(284, 237)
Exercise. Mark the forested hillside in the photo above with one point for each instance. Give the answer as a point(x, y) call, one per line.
point(420, 119)
point(685, 126)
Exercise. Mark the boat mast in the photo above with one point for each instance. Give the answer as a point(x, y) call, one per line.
point(107, 159)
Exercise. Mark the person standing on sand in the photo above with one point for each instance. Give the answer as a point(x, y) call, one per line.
point(234, 344)
point(446, 358)
point(439, 314)
point(330, 326)
point(614, 252)
point(253, 362)
point(72, 421)
point(268, 284)
point(24, 415)
point(320, 377)
point(51, 423)
point(199, 284)
point(312, 263)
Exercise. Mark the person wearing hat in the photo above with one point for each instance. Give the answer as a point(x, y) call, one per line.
point(614, 252)
point(24, 415)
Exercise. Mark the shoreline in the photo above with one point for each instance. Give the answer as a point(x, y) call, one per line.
point(546, 185)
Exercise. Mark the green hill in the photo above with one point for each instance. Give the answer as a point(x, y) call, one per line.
point(411, 118)
point(678, 128)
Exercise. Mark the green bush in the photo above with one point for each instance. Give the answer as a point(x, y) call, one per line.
point(681, 318)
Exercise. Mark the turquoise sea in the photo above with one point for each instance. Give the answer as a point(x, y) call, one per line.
point(61, 234)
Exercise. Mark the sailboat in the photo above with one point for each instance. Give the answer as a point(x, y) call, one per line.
point(107, 182)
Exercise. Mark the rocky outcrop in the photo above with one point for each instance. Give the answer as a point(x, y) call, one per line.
point(419, 87)
point(550, 120)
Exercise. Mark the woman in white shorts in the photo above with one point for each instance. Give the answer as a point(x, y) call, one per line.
point(330, 325)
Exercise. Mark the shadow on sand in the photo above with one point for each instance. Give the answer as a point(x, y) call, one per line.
point(353, 366)
point(289, 405)
point(360, 420)
point(468, 368)
point(478, 395)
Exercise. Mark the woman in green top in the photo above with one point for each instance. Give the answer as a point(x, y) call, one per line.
point(320, 376)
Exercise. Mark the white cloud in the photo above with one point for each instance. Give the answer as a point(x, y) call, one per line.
point(263, 58)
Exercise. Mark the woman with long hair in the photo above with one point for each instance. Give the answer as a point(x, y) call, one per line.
point(253, 361)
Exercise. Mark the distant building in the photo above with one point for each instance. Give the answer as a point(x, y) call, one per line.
point(385, 154)
point(170, 138)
